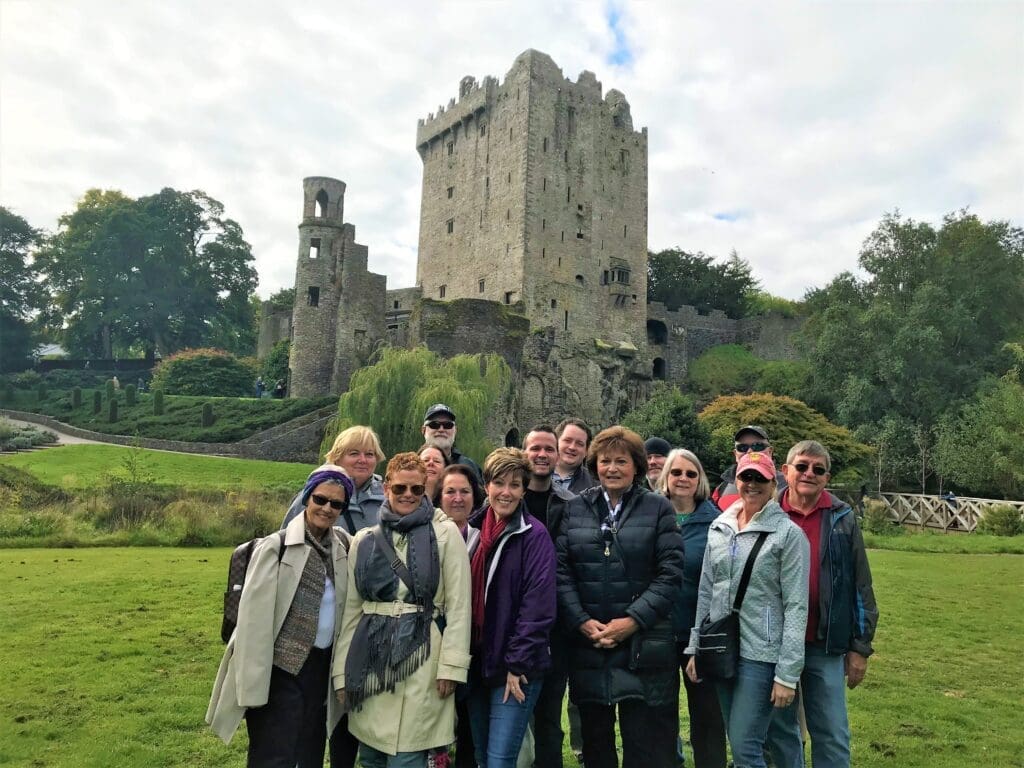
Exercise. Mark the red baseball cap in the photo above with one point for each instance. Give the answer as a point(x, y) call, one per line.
point(760, 462)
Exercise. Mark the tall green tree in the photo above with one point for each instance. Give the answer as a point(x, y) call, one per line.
point(676, 277)
point(158, 273)
point(19, 291)
point(671, 415)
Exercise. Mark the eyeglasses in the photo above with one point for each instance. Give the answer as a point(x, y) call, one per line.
point(753, 477)
point(817, 469)
point(440, 424)
point(323, 501)
point(399, 489)
point(690, 473)
point(744, 447)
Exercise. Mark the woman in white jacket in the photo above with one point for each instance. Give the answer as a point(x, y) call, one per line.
point(276, 668)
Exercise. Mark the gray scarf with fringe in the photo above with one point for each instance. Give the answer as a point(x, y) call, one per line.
point(385, 650)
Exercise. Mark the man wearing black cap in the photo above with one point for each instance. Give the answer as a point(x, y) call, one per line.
point(439, 430)
point(748, 438)
point(657, 449)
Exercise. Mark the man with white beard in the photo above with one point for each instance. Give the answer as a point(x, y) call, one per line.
point(439, 430)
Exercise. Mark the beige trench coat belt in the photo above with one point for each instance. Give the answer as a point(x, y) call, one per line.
point(395, 608)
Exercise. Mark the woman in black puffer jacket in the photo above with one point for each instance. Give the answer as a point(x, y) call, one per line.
point(620, 565)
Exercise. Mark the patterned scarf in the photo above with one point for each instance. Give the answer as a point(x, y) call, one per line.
point(298, 632)
point(387, 649)
point(490, 531)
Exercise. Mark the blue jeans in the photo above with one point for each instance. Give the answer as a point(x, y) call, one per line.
point(499, 727)
point(374, 758)
point(823, 693)
point(747, 709)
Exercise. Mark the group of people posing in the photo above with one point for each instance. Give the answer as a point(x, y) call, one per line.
point(391, 614)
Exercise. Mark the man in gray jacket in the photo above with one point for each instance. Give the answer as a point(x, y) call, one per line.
point(841, 614)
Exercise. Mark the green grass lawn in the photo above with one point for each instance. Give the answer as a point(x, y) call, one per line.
point(84, 466)
point(234, 417)
point(110, 655)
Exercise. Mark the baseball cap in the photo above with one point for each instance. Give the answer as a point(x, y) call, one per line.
point(759, 462)
point(759, 431)
point(657, 445)
point(436, 410)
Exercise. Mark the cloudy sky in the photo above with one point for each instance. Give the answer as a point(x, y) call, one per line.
point(783, 130)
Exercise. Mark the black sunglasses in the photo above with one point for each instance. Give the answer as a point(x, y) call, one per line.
point(323, 501)
point(690, 473)
point(744, 447)
point(815, 468)
point(399, 489)
point(440, 424)
point(753, 477)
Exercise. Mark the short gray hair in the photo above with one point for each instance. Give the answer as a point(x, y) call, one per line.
point(810, 448)
point(703, 486)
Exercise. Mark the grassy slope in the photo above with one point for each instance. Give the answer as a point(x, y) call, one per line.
point(115, 666)
point(83, 466)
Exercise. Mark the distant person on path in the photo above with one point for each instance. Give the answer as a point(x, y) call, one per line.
point(748, 438)
point(117, 384)
point(357, 451)
point(140, 384)
point(276, 669)
point(841, 615)
point(571, 473)
point(439, 429)
point(657, 450)
point(279, 389)
point(686, 485)
point(259, 387)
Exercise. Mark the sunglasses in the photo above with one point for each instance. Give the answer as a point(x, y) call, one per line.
point(323, 501)
point(817, 469)
point(744, 447)
point(753, 477)
point(440, 424)
point(690, 473)
point(399, 489)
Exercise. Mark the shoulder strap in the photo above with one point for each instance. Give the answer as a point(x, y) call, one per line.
point(348, 520)
point(396, 564)
point(747, 570)
point(280, 547)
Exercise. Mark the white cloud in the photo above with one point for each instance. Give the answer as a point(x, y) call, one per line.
point(783, 130)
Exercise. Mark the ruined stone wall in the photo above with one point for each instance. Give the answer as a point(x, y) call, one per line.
point(399, 304)
point(470, 326)
point(360, 313)
point(771, 337)
point(275, 326)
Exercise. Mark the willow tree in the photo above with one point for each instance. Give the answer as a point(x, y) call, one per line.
point(392, 395)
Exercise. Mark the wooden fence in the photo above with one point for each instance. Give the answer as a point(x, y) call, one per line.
point(959, 514)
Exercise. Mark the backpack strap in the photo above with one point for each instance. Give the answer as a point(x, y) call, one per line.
point(396, 564)
point(748, 568)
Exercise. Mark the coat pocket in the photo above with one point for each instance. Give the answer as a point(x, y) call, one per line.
point(654, 648)
point(768, 623)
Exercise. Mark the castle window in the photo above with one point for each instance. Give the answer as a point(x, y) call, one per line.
point(657, 332)
point(563, 235)
point(604, 277)
point(568, 194)
point(483, 129)
point(554, 303)
point(395, 305)
point(313, 296)
point(566, 324)
point(623, 230)
point(314, 248)
point(579, 234)
point(441, 291)
point(508, 296)
point(579, 208)
point(624, 161)
point(451, 192)
point(510, 177)
point(545, 188)
point(508, 214)
point(572, 122)
point(579, 280)
point(450, 225)
point(480, 286)
point(658, 371)
point(543, 223)
point(510, 133)
point(451, 147)
point(545, 144)
point(567, 155)
point(543, 253)
point(487, 182)
point(320, 204)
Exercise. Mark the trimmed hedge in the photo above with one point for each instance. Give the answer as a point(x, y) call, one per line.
point(204, 372)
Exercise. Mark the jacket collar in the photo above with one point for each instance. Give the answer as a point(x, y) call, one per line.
point(768, 519)
point(703, 514)
point(520, 521)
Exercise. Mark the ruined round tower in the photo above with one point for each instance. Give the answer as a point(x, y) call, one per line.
point(317, 286)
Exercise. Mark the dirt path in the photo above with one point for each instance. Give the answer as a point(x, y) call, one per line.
point(62, 439)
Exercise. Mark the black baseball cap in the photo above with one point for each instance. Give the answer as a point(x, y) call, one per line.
point(436, 410)
point(657, 446)
point(759, 431)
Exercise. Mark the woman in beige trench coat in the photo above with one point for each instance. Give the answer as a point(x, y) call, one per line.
point(400, 654)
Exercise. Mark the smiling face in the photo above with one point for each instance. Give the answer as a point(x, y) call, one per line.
point(615, 471)
point(433, 459)
point(542, 451)
point(806, 483)
point(572, 447)
point(404, 490)
point(755, 490)
point(504, 493)
point(359, 463)
point(321, 517)
point(457, 498)
point(683, 476)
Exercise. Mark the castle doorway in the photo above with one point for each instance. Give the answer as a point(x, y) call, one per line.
point(512, 438)
point(659, 369)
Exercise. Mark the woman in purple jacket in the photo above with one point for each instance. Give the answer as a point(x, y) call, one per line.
point(514, 606)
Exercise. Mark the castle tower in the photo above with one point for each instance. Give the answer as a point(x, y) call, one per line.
point(339, 305)
point(535, 191)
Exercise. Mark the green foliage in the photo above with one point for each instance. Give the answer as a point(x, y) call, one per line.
point(130, 394)
point(207, 414)
point(671, 415)
point(392, 395)
point(76, 397)
point(876, 519)
point(97, 402)
point(8, 392)
point(675, 278)
point(764, 303)
point(275, 364)
point(16, 437)
point(20, 293)
point(111, 390)
point(130, 492)
point(112, 411)
point(284, 299)
point(158, 402)
point(724, 370)
point(787, 422)
point(203, 372)
point(163, 272)
point(1001, 520)
point(41, 391)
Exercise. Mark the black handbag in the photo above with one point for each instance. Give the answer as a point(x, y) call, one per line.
point(718, 644)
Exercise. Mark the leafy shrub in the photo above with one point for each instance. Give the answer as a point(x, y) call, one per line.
point(66, 378)
point(1001, 520)
point(275, 364)
point(203, 372)
point(877, 520)
point(207, 414)
point(97, 401)
point(41, 391)
point(25, 380)
point(111, 391)
point(112, 411)
point(764, 303)
point(158, 402)
point(724, 370)
point(671, 415)
point(129, 395)
point(76, 397)
point(9, 392)
point(19, 443)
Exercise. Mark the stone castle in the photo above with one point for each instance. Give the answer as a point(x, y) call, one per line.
point(533, 244)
